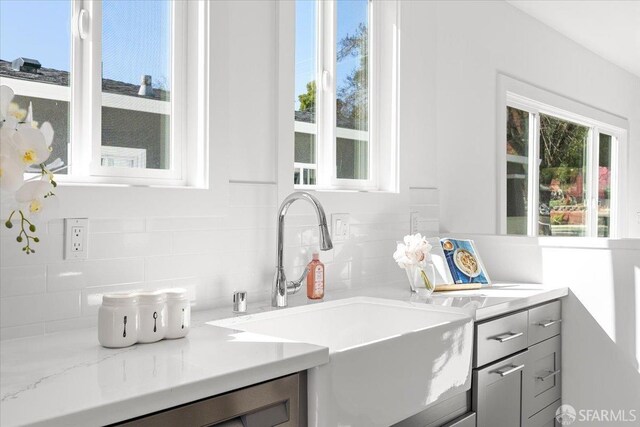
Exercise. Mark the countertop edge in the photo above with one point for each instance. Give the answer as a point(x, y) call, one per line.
point(519, 304)
point(185, 393)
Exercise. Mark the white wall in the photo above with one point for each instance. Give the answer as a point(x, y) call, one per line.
point(475, 42)
point(215, 241)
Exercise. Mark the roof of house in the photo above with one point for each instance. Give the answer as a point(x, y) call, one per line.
point(61, 78)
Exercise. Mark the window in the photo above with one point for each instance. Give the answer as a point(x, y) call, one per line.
point(560, 170)
point(112, 77)
point(336, 91)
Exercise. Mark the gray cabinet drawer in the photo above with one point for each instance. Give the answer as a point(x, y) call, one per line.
point(544, 322)
point(468, 420)
point(545, 418)
point(497, 392)
point(500, 337)
point(542, 383)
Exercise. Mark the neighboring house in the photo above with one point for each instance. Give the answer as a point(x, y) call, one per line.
point(136, 133)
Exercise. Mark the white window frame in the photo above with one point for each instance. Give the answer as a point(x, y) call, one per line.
point(189, 120)
point(326, 129)
point(536, 101)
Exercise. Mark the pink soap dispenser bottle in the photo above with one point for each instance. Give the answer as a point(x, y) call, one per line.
point(315, 278)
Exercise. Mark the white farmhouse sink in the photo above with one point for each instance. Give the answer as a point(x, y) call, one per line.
point(388, 359)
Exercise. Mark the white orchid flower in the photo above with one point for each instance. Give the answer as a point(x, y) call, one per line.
point(31, 145)
point(47, 132)
point(11, 171)
point(32, 196)
point(14, 110)
point(11, 174)
point(415, 250)
point(6, 95)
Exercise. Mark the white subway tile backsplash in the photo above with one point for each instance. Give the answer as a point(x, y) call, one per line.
point(185, 223)
point(111, 225)
point(124, 245)
point(71, 324)
point(13, 332)
point(82, 274)
point(27, 309)
point(25, 280)
point(252, 195)
point(178, 266)
point(423, 196)
point(11, 254)
point(210, 256)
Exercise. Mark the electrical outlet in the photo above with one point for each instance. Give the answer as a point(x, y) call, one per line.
point(413, 222)
point(75, 238)
point(339, 227)
point(638, 217)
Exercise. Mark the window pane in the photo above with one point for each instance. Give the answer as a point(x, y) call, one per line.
point(305, 90)
point(562, 177)
point(352, 91)
point(136, 84)
point(35, 62)
point(604, 185)
point(517, 170)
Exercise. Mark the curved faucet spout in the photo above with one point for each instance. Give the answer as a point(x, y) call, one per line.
point(281, 288)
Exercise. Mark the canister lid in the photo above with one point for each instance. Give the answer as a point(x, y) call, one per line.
point(155, 297)
point(176, 293)
point(119, 299)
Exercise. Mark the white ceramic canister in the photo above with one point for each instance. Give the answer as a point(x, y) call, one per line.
point(152, 312)
point(118, 320)
point(178, 313)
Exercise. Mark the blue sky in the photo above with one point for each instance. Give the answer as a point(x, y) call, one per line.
point(350, 14)
point(134, 43)
point(36, 29)
point(135, 36)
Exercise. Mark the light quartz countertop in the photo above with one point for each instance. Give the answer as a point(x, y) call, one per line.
point(67, 379)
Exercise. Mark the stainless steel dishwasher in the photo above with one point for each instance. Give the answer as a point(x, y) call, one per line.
point(279, 402)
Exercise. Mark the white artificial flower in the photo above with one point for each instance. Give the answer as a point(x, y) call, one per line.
point(16, 112)
point(11, 171)
point(31, 145)
point(31, 196)
point(47, 132)
point(11, 174)
point(415, 250)
point(6, 95)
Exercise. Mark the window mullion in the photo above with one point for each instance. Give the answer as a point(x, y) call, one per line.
point(93, 101)
point(614, 196)
point(533, 213)
point(593, 158)
point(326, 91)
point(85, 52)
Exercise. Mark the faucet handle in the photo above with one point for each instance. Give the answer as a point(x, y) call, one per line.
point(239, 301)
point(294, 286)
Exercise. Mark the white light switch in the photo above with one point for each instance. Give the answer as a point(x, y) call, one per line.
point(339, 227)
point(75, 238)
point(413, 222)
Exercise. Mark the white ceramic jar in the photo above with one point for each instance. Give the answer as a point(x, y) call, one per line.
point(178, 313)
point(152, 314)
point(118, 320)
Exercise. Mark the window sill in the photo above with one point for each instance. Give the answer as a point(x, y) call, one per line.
point(343, 190)
point(96, 181)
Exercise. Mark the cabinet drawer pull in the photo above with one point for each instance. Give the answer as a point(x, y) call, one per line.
point(508, 337)
point(549, 323)
point(549, 375)
point(511, 370)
